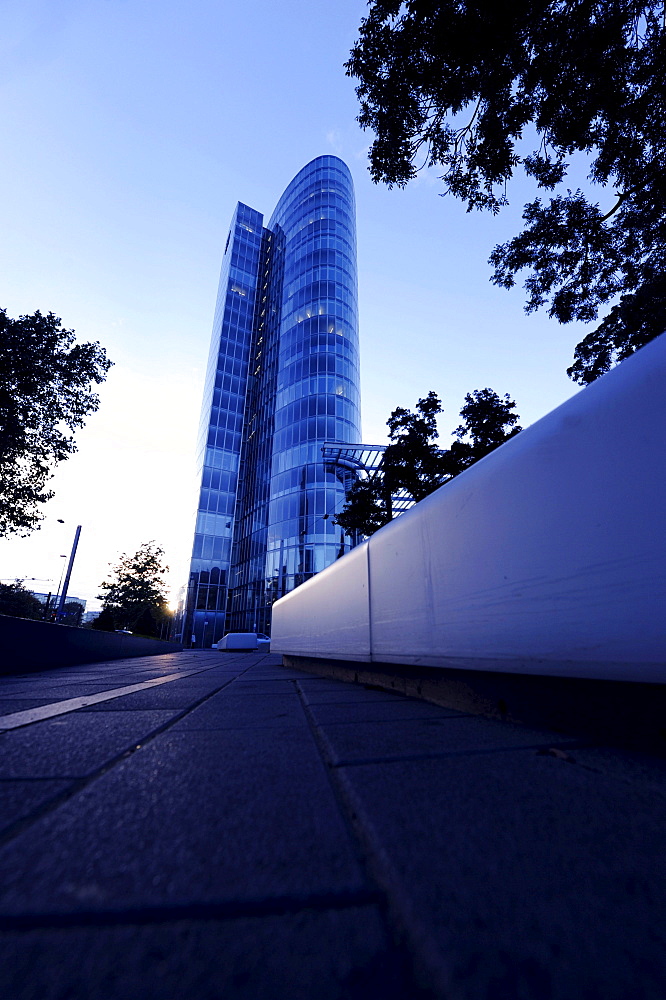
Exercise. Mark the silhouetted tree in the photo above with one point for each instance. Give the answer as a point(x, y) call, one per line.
point(136, 586)
point(18, 602)
point(365, 509)
point(413, 464)
point(45, 394)
point(146, 625)
point(105, 621)
point(637, 319)
point(488, 421)
point(466, 86)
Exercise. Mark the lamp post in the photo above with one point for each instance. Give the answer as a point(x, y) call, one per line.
point(63, 595)
point(53, 614)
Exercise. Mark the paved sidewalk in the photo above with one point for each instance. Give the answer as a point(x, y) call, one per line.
point(234, 829)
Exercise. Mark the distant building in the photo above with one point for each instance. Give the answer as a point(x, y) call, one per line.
point(71, 615)
point(282, 379)
point(54, 598)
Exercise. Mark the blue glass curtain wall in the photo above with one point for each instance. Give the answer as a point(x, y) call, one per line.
point(312, 392)
point(221, 430)
point(283, 379)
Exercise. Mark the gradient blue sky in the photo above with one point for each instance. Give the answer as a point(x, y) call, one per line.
point(130, 129)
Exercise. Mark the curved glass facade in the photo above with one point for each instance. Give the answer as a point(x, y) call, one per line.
point(287, 318)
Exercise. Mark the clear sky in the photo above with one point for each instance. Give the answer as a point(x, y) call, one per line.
point(130, 130)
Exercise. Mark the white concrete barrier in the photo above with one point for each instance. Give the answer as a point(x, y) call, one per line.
point(329, 614)
point(238, 641)
point(547, 556)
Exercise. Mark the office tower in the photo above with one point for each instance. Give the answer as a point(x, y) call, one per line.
point(282, 379)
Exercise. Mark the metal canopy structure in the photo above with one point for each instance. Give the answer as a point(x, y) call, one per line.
point(357, 457)
point(352, 461)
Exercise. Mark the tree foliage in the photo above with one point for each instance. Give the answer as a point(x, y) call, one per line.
point(413, 464)
point(484, 89)
point(45, 395)
point(487, 422)
point(147, 624)
point(105, 621)
point(18, 602)
point(366, 509)
point(632, 323)
point(136, 586)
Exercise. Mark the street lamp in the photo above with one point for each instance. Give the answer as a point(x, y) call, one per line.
point(63, 596)
point(54, 613)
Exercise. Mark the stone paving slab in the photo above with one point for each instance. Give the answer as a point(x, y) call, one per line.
point(19, 799)
point(54, 692)
point(345, 694)
point(328, 955)
point(74, 745)
point(179, 695)
point(371, 710)
point(200, 816)
point(433, 736)
point(280, 673)
point(253, 832)
point(227, 710)
point(636, 769)
point(18, 704)
point(522, 870)
point(262, 688)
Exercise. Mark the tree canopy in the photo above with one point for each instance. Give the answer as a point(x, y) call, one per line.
point(18, 602)
point(135, 589)
point(45, 395)
point(105, 621)
point(485, 89)
point(413, 465)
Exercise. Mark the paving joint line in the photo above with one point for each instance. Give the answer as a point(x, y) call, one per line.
point(406, 930)
point(393, 924)
point(405, 926)
point(175, 912)
point(413, 937)
point(446, 754)
point(360, 722)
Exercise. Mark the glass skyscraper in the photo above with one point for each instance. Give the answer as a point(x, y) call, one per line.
point(282, 379)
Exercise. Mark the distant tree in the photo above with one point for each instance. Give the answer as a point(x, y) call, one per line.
point(136, 586)
point(475, 87)
point(411, 462)
point(414, 464)
point(488, 422)
point(105, 621)
point(18, 602)
point(45, 395)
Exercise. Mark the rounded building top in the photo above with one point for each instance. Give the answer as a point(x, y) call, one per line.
point(310, 179)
